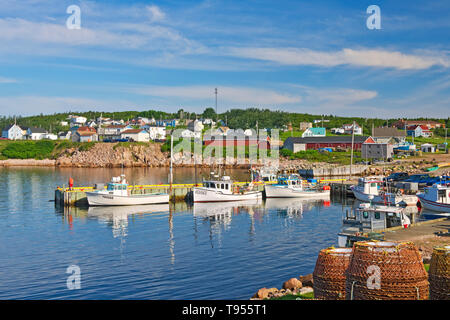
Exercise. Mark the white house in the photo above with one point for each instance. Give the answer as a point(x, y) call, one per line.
point(196, 126)
point(84, 136)
point(65, 135)
point(156, 132)
point(76, 120)
point(314, 132)
point(428, 147)
point(337, 130)
point(191, 134)
point(36, 133)
point(137, 135)
point(348, 129)
point(113, 131)
point(50, 136)
point(13, 132)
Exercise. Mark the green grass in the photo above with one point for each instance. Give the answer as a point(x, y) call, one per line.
point(306, 296)
point(427, 266)
point(286, 134)
point(339, 157)
point(433, 140)
point(130, 144)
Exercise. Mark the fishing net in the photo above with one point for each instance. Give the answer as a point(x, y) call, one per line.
point(439, 274)
point(329, 273)
point(382, 270)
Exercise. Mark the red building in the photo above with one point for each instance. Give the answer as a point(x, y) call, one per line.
point(236, 140)
point(296, 144)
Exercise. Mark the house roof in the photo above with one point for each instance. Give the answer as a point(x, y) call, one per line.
point(37, 130)
point(331, 139)
point(85, 133)
point(388, 132)
point(317, 130)
point(133, 131)
point(86, 129)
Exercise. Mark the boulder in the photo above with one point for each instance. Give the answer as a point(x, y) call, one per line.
point(307, 280)
point(292, 284)
point(263, 293)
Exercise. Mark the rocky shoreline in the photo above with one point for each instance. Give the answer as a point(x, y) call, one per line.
point(108, 155)
point(293, 286)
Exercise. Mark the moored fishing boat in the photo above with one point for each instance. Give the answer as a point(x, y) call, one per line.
point(222, 190)
point(436, 198)
point(292, 186)
point(117, 194)
point(368, 190)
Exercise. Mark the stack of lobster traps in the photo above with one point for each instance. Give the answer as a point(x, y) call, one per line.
point(439, 274)
point(329, 273)
point(373, 270)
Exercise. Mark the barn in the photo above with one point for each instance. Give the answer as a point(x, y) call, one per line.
point(296, 144)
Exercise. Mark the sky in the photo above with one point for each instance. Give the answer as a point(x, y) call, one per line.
point(305, 56)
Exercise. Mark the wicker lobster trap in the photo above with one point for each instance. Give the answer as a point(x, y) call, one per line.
point(439, 274)
point(329, 273)
point(386, 271)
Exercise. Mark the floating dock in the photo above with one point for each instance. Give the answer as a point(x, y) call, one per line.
point(76, 197)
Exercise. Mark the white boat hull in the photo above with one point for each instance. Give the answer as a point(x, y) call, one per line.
point(102, 199)
point(390, 199)
point(434, 206)
point(273, 191)
point(207, 195)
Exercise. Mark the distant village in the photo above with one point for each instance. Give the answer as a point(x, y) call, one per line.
point(381, 144)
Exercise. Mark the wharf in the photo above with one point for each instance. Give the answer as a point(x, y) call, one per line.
point(76, 197)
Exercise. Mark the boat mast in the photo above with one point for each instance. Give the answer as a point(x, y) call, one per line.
point(351, 152)
point(171, 162)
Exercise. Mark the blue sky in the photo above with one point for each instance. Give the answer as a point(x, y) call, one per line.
point(301, 56)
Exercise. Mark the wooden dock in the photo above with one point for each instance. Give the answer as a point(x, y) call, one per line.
point(178, 192)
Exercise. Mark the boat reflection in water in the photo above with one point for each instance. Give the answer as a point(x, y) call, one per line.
point(117, 216)
point(294, 207)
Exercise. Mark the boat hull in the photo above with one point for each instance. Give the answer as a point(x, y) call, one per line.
point(434, 206)
point(283, 192)
point(390, 199)
point(101, 199)
point(206, 195)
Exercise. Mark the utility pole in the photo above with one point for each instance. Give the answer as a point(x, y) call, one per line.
point(171, 163)
point(217, 119)
point(351, 152)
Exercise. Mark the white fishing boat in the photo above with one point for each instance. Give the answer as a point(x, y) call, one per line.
point(436, 198)
point(372, 218)
point(292, 186)
point(221, 190)
point(368, 190)
point(117, 194)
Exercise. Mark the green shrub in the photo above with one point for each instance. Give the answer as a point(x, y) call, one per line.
point(286, 152)
point(29, 150)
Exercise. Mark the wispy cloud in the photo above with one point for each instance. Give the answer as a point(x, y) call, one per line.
point(230, 95)
point(7, 80)
point(355, 57)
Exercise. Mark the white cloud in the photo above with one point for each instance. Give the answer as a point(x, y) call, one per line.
point(156, 14)
point(7, 80)
point(230, 95)
point(31, 105)
point(368, 57)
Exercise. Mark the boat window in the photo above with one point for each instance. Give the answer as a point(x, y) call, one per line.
point(365, 215)
point(110, 187)
point(377, 215)
point(222, 186)
point(212, 185)
point(373, 184)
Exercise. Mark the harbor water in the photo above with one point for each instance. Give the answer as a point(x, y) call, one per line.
point(213, 251)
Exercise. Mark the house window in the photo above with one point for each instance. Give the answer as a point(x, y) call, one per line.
point(377, 215)
point(365, 215)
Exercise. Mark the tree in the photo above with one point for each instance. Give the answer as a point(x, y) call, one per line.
point(209, 113)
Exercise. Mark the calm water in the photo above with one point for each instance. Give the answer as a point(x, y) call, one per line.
point(177, 252)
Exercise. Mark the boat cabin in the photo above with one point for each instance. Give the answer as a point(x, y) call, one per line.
point(438, 193)
point(118, 186)
point(372, 218)
point(225, 185)
point(289, 180)
point(369, 186)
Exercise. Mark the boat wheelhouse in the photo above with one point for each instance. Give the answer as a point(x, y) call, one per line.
point(436, 198)
point(369, 190)
point(292, 186)
point(224, 189)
